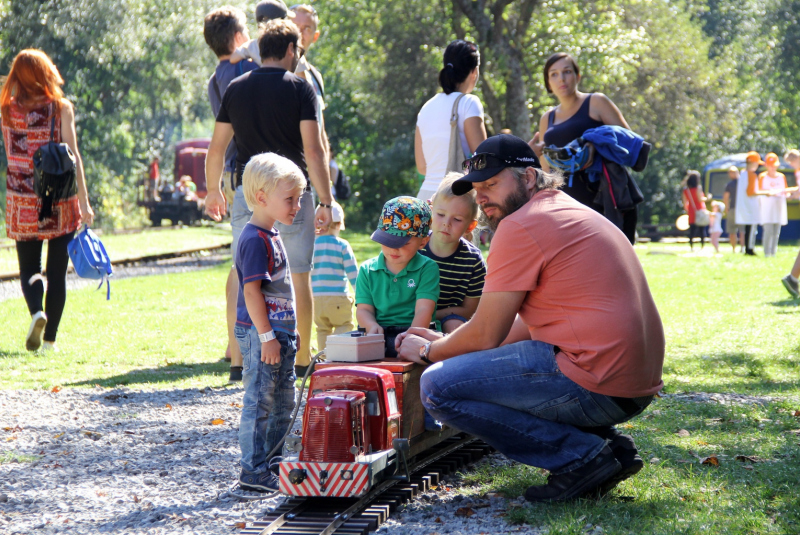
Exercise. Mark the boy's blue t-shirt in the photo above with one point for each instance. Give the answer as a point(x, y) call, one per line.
point(262, 256)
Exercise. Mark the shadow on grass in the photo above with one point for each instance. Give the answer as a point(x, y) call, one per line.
point(162, 374)
point(13, 353)
point(787, 303)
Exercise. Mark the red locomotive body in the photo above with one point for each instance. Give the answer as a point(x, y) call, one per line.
point(351, 427)
point(383, 418)
point(335, 427)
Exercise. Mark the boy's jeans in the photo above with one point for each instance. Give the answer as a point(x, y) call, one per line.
point(516, 399)
point(268, 398)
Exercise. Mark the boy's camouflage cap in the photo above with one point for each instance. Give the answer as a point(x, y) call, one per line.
point(402, 218)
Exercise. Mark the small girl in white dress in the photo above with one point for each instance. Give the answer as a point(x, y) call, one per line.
point(715, 225)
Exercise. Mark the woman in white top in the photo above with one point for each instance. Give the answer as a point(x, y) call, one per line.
point(432, 140)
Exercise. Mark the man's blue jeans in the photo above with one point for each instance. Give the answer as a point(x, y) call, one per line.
point(517, 400)
point(268, 398)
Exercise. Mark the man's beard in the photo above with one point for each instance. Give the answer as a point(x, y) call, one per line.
point(511, 204)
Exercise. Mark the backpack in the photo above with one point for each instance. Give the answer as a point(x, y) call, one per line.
point(89, 258)
point(53, 173)
point(341, 186)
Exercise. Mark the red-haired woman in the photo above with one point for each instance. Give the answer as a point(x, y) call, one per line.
point(30, 102)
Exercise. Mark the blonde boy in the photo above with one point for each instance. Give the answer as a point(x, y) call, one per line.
point(265, 316)
point(334, 264)
point(461, 265)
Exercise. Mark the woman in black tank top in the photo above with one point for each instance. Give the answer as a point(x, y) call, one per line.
point(576, 113)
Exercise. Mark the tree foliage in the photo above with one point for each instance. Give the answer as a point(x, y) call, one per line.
point(697, 78)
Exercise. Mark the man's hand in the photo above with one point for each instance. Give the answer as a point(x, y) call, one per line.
point(409, 348)
point(271, 352)
point(536, 145)
point(427, 334)
point(216, 205)
point(322, 218)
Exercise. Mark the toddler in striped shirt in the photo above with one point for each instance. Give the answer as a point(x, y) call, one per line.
point(461, 265)
point(334, 265)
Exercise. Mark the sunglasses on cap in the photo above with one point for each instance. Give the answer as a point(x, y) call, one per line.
point(479, 162)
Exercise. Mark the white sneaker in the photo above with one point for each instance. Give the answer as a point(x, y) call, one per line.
point(48, 347)
point(34, 338)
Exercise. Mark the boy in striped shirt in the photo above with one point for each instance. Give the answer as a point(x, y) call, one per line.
point(461, 265)
point(334, 265)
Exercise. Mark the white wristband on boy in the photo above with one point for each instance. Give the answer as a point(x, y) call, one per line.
point(266, 337)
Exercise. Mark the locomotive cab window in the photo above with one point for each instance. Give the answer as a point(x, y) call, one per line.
point(392, 401)
point(373, 406)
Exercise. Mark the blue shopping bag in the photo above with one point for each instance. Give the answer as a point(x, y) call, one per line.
point(89, 258)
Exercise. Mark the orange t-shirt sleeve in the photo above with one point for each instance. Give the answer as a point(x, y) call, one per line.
point(751, 184)
point(515, 260)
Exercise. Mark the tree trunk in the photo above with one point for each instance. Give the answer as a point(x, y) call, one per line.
point(501, 36)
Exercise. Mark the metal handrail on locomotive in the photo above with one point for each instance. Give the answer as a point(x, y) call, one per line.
point(361, 424)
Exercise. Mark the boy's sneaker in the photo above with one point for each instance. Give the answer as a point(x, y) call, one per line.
point(791, 286)
point(34, 339)
point(578, 482)
point(236, 374)
point(263, 482)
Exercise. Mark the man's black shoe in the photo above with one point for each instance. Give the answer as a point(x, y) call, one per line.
point(750, 252)
point(578, 482)
point(624, 450)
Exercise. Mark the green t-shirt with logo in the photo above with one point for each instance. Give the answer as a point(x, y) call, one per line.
point(395, 296)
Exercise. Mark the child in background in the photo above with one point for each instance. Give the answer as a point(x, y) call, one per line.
point(772, 185)
point(461, 265)
point(790, 281)
point(398, 289)
point(266, 10)
point(334, 264)
point(265, 317)
point(715, 227)
point(748, 203)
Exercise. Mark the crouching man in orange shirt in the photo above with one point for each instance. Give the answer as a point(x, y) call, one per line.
point(566, 341)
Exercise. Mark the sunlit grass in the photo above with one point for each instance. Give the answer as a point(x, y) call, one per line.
point(730, 328)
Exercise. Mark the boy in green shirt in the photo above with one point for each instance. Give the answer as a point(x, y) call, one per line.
point(399, 288)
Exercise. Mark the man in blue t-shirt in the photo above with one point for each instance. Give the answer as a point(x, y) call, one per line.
point(270, 109)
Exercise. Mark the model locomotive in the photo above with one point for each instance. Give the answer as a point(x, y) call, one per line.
point(361, 424)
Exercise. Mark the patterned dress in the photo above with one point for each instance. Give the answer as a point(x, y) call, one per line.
point(24, 131)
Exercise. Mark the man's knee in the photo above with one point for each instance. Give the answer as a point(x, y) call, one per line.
point(430, 393)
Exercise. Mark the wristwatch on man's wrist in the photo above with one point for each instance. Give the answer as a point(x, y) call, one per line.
point(266, 337)
point(424, 351)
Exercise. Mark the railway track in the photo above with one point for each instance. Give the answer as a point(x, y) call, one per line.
point(340, 516)
point(14, 275)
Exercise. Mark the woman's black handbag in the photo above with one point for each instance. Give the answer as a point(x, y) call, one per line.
point(53, 173)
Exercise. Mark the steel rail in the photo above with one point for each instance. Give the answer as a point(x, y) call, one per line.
point(362, 504)
point(4, 277)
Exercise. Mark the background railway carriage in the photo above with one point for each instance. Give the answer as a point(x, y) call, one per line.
point(715, 178)
point(190, 159)
point(360, 426)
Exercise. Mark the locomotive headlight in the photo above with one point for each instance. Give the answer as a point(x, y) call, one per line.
point(297, 476)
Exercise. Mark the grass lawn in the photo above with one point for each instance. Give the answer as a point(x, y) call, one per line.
point(729, 329)
point(143, 243)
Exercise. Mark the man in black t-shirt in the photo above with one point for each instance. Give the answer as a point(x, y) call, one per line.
point(271, 109)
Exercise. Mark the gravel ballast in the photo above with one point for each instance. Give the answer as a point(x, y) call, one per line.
point(131, 461)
